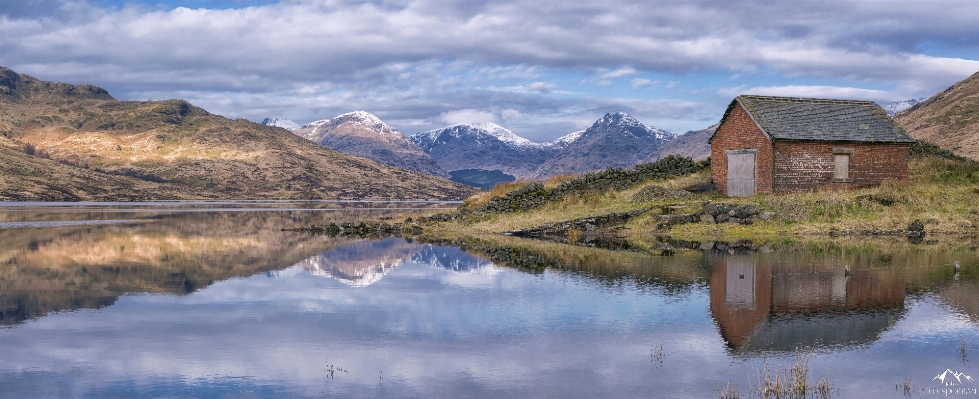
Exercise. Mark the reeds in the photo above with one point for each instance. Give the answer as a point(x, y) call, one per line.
point(792, 381)
point(729, 391)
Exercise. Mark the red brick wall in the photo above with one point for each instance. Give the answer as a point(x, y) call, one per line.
point(803, 166)
point(740, 132)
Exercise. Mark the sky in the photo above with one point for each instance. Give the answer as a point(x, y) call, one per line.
point(541, 68)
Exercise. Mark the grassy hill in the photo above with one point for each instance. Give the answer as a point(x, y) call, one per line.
point(941, 195)
point(76, 142)
point(949, 119)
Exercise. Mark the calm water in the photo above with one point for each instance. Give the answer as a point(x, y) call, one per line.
point(212, 300)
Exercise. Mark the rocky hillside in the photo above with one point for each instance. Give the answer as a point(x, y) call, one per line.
point(616, 140)
point(108, 149)
point(364, 135)
point(691, 144)
point(485, 146)
point(949, 119)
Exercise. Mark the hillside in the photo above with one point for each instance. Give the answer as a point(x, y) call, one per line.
point(364, 135)
point(691, 144)
point(949, 119)
point(617, 140)
point(87, 145)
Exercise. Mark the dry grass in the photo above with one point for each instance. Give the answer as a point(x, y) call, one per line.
point(792, 381)
point(941, 194)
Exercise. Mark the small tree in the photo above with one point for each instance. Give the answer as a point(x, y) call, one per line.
point(29, 148)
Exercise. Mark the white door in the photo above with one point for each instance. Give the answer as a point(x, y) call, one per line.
point(740, 174)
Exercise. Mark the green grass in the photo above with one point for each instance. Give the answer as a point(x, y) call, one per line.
point(941, 193)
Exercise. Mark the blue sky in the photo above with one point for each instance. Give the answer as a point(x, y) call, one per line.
point(541, 68)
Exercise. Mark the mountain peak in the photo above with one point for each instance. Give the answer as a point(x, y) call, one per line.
point(625, 123)
point(281, 122)
point(363, 118)
point(568, 138)
point(474, 131)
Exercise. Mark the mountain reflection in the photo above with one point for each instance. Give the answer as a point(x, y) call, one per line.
point(366, 262)
point(51, 269)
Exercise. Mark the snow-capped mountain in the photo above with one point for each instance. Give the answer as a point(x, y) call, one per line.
point(567, 139)
point(486, 146)
point(364, 135)
point(899, 106)
point(281, 122)
point(616, 140)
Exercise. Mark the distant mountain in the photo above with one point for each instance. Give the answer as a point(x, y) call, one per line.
point(616, 140)
point(364, 135)
point(287, 124)
point(567, 139)
point(486, 146)
point(949, 119)
point(108, 149)
point(691, 144)
point(895, 107)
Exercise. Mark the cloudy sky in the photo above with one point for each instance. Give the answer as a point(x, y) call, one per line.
point(542, 68)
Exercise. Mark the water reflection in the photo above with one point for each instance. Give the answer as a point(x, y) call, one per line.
point(762, 303)
point(85, 257)
point(485, 316)
point(365, 262)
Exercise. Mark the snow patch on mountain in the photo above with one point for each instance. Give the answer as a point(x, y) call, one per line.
point(899, 106)
point(473, 130)
point(281, 122)
point(627, 124)
point(362, 118)
point(568, 138)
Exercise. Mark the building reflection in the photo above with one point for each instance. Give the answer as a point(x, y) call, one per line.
point(776, 302)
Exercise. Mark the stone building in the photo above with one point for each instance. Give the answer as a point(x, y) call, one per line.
point(780, 144)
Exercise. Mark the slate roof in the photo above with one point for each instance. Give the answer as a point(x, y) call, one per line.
point(812, 119)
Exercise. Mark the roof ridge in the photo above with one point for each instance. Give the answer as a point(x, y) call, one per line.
point(809, 100)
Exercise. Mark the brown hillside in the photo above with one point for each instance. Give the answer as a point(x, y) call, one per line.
point(949, 119)
point(172, 149)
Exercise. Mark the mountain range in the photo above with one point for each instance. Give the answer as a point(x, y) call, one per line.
point(76, 142)
point(483, 154)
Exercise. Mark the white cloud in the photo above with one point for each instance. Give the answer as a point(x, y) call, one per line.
point(618, 73)
point(829, 92)
point(639, 83)
point(467, 116)
point(418, 60)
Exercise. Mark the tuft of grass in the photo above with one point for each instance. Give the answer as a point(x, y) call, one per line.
point(792, 381)
point(729, 391)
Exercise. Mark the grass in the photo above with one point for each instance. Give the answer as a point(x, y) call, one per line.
point(792, 381)
point(941, 193)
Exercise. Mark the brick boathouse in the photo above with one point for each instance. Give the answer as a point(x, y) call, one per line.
point(780, 144)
